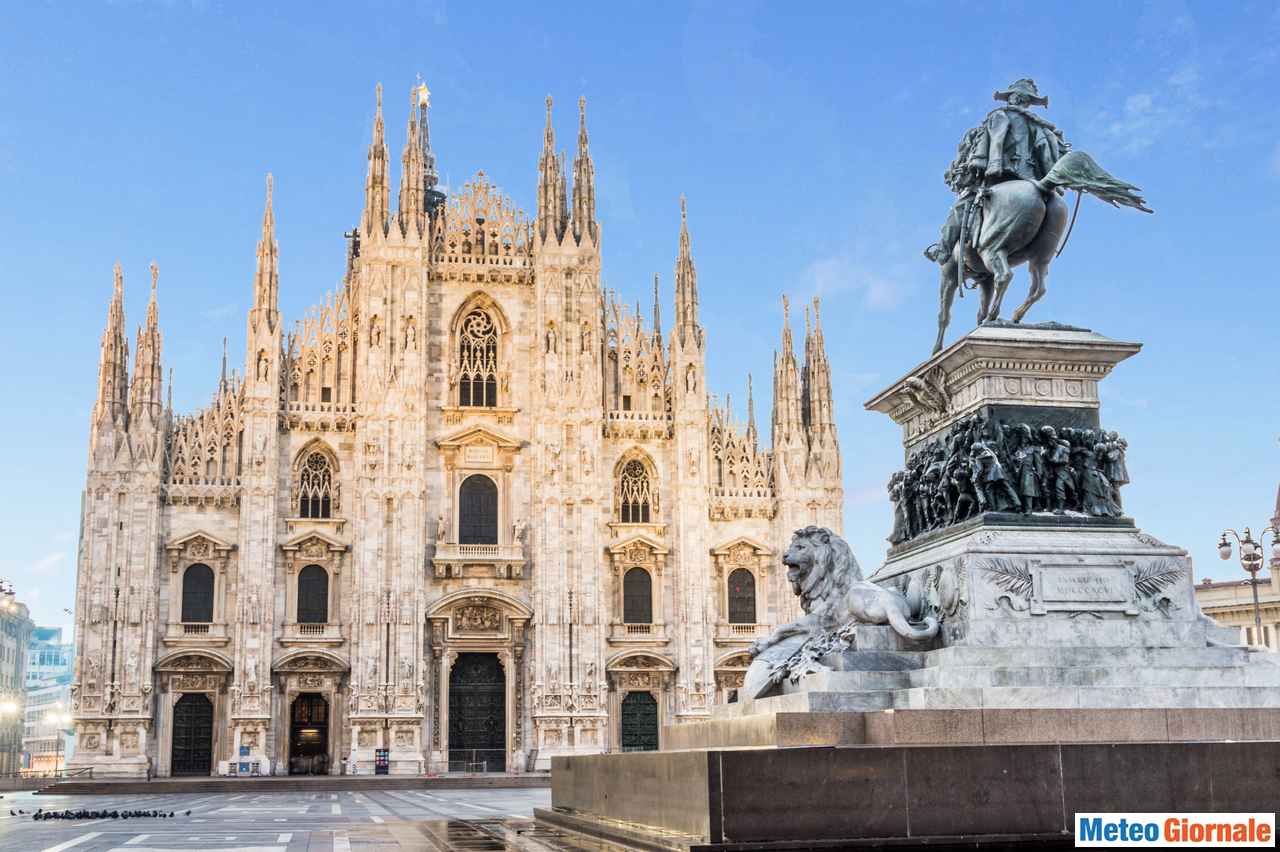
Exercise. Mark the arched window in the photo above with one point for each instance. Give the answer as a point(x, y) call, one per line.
point(635, 494)
point(197, 594)
point(637, 597)
point(478, 361)
point(478, 511)
point(742, 597)
point(315, 487)
point(313, 595)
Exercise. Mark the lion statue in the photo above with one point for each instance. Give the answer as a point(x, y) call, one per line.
point(824, 574)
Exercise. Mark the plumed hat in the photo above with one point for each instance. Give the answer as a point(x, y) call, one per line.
point(1027, 87)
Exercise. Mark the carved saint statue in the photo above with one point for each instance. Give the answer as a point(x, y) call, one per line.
point(442, 529)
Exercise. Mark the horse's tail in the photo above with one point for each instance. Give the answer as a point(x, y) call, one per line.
point(1077, 170)
point(898, 621)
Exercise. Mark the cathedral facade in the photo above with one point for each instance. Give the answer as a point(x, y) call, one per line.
point(470, 513)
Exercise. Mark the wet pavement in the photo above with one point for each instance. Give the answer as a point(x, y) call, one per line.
point(468, 820)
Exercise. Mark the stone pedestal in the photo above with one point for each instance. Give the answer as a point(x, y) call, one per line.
point(1073, 670)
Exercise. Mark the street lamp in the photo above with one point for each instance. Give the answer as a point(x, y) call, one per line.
point(60, 718)
point(1251, 561)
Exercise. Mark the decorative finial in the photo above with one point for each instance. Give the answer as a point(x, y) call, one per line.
point(684, 210)
point(270, 186)
point(155, 276)
point(582, 108)
point(424, 94)
point(378, 90)
point(786, 307)
point(817, 308)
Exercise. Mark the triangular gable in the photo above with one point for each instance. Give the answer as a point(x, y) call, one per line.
point(728, 547)
point(639, 538)
point(218, 544)
point(475, 434)
point(298, 540)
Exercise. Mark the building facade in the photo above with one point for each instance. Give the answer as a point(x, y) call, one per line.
point(1230, 603)
point(48, 740)
point(48, 656)
point(472, 512)
point(47, 737)
point(15, 634)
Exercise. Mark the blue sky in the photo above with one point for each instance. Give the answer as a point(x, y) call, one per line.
point(809, 139)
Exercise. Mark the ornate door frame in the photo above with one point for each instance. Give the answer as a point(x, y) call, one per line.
point(188, 671)
point(316, 671)
point(481, 621)
point(640, 671)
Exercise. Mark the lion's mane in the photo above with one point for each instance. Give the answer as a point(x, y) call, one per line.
point(834, 570)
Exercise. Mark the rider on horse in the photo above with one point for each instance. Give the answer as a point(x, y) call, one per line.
point(1012, 143)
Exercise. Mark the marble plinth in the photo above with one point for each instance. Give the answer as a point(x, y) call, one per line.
point(992, 795)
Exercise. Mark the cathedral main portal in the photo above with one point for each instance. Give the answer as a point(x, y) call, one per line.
point(477, 714)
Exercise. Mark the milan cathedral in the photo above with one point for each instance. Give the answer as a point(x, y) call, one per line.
point(469, 513)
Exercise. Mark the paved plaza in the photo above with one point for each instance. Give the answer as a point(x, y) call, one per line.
point(288, 822)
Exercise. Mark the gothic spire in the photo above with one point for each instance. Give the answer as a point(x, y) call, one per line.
point(377, 191)
point(752, 435)
point(551, 199)
point(266, 276)
point(144, 393)
point(657, 310)
point(113, 361)
point(412, 175)
point(806, 412)
point(787, 425)
point(818, 400)
point(584, 184)
point(686, 285)
point(431, 196)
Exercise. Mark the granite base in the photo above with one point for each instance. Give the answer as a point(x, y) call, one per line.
point(927, 794)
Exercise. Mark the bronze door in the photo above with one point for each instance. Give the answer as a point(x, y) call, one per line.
point(639, 722)
point(192, 735)
point(477, 714)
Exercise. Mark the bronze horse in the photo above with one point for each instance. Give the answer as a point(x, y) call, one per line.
point(1023, 221)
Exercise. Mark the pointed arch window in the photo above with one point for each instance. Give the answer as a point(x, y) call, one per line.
point(637, 597)
point(742, 597)
point(197, 594)
point(635, 494)
point(313, 595)
point(478, 361)
point(317, 493)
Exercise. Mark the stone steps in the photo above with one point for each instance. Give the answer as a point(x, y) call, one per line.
point(1069, 657)
point(1066, 697)
point(295, 784)
point(813, 700)
point(1100, 676)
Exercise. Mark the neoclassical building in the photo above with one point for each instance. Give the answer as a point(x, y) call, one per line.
point(471, 512)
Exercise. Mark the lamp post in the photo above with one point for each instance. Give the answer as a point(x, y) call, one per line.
point(60, 719)
point(1251, 561)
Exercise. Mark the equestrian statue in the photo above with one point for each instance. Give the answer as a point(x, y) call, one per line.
point(1009, 175)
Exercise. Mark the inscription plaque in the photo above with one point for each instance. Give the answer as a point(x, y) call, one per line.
point(1084, 585)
